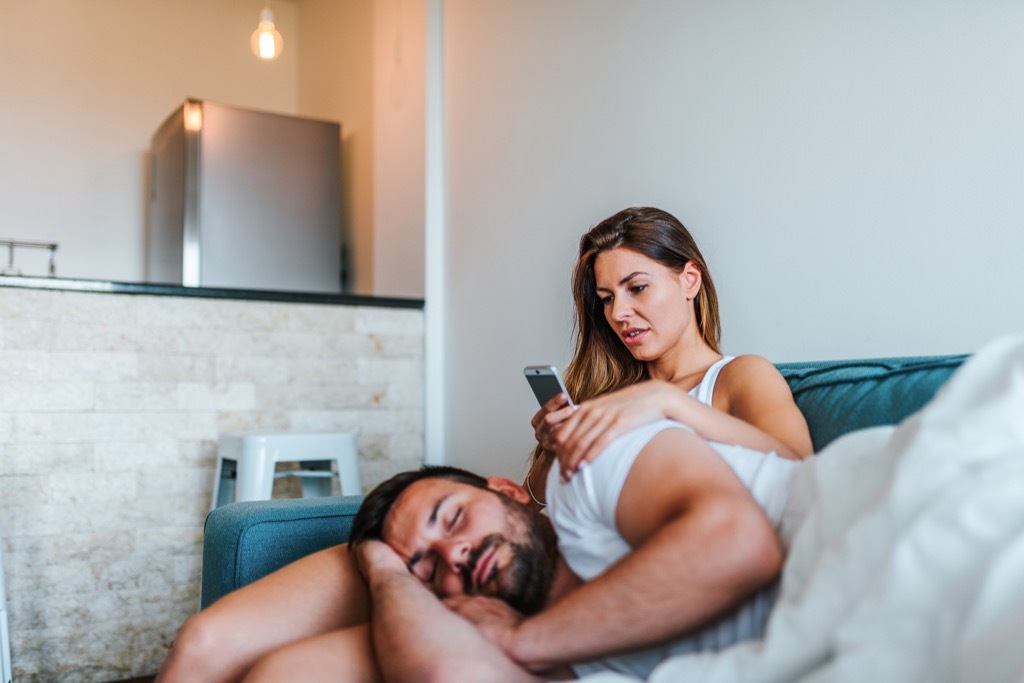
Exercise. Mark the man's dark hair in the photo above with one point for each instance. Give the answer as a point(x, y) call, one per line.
point(369, 521)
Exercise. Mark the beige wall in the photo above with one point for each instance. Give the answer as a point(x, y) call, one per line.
point(399, 147)
point(85, 84)
point(362, 64)
point(336, 83)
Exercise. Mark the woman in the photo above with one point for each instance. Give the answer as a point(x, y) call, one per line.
point(647, 347)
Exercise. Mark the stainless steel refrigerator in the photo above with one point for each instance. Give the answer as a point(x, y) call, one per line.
point(245, 199)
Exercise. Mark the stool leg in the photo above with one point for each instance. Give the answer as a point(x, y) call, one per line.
point(348, 471)
point(5, 638)
point(255, 475)
point(224, 482)
point(5, 648)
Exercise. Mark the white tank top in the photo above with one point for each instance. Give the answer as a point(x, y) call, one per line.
point(583, 511)
point(704, 391)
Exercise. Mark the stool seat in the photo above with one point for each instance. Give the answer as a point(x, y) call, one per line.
point(246, 464)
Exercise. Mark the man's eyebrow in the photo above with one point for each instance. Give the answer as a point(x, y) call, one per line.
point(437, 506)
point(431, 521)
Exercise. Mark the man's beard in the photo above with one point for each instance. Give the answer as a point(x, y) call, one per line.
point(526, 580)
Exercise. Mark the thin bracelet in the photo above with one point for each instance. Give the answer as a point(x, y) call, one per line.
point(529, 489)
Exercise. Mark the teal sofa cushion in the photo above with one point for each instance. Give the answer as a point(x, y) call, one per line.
point(838, 397)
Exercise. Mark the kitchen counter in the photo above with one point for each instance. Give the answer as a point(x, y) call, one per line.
point(107, 287)
point(111, 411)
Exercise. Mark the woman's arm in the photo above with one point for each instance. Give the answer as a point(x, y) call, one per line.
point(752, 407)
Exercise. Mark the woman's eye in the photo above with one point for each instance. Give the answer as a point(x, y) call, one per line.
point(636, 289)
point(606, 300)
point(455, 519)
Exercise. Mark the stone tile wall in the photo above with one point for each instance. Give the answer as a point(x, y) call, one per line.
point(110, 408)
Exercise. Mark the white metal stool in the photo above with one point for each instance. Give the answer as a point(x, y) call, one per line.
point(5, 640)
point(246, 464)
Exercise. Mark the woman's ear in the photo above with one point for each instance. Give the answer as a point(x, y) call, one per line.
point(509, 488)
point(690, 279)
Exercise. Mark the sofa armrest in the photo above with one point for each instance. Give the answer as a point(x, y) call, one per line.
point(246, 541)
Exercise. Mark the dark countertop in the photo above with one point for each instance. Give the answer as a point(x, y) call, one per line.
point(106, 287)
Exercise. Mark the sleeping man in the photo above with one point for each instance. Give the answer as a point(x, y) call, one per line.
point(666, 544)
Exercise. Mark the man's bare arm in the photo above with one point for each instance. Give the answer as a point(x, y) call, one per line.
point(701, 545)
point(416, 638)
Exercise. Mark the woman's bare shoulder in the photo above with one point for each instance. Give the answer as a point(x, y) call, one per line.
point(756, 392)
point(750, 374)
point(750, 364)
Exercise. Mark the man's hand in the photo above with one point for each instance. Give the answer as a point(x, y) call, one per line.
point(494, 618)
point(416, 638)
point(375, 557)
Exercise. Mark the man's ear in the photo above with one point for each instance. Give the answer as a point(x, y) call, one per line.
point(508, 488)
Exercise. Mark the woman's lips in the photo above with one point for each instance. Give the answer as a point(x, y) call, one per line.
point(633, 336)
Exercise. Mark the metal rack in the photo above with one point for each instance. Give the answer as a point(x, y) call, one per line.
point(11, 269)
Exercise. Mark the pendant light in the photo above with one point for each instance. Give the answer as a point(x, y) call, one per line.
point(266, 41)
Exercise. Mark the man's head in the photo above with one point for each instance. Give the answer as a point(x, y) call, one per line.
point(462, 534)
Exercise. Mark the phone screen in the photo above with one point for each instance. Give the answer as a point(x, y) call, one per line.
point(545, 382)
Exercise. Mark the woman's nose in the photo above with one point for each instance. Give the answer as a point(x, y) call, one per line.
point(620, 309)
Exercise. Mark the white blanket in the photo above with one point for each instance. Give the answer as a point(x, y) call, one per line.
point(909, 564)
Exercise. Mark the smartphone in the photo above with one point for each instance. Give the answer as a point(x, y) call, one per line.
point(545, 382)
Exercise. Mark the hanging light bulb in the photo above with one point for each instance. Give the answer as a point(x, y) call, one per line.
point(266, 41)
point(192, 113)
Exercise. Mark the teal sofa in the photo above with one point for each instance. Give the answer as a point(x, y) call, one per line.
point(245, 541)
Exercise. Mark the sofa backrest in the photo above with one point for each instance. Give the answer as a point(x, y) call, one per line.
point(838, 397)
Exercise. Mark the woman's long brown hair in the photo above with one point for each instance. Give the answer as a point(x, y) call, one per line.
point(601, 362)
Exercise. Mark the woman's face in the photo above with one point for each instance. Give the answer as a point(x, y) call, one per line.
point(648, 305)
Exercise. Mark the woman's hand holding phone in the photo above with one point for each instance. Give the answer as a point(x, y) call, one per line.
point(555, 403)
point(599, 421)
point(546, 420)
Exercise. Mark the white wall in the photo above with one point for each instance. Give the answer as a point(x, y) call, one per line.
point(85, 85)
point(853, 172)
